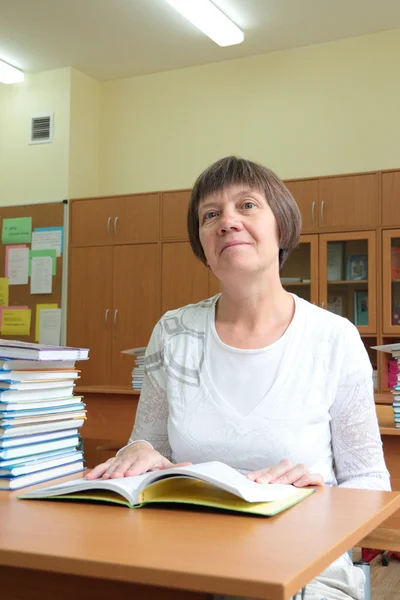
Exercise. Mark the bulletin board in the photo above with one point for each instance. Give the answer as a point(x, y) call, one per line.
point(48, 219)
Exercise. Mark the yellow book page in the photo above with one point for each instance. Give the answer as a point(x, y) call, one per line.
point(192, 491)
point(93, 496)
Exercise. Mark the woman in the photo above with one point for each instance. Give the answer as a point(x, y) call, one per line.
point(257, 377)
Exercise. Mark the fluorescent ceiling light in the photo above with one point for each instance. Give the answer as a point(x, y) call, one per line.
point(210, 20)
point(9, 74)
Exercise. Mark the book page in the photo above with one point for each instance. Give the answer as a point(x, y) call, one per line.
point(227, 478)
point(216, 473)
point(127, 487)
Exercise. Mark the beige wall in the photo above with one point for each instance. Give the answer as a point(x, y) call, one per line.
point(84, 136)
point(324, 109)
point(34, 173)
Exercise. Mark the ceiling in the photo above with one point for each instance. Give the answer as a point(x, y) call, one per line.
point(111, 39)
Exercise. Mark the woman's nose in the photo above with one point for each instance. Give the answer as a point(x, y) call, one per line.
point(229, 222)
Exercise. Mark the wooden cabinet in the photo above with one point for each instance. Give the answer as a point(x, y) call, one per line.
point(174, 208)
point(214, 287)
point(136, 303)
point(91, 222)
point(299, 274)
point(391, 198)
point(111, 221)
point(347, 277)
point(391, 281)
point(113, 305)
point(130, 262)
point(349, 201)
point(90, 305)
point(305, 193)
point(184, 278)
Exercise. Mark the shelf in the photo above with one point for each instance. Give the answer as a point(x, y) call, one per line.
point(349, 282)
point(106, 389)
point(296, 283)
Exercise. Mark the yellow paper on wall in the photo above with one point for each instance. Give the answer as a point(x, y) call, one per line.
point(37, 323)
point(16, 322)
point(3, 291)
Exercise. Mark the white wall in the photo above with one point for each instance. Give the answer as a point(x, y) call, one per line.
point(34, 173)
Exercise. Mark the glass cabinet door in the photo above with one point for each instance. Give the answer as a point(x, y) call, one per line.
point(299, 274)
point(391, 281)
point(348, 277)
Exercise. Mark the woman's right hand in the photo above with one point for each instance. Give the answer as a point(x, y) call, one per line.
point(136, 459)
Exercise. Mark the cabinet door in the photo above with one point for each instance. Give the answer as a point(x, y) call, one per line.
point(391, 281)
point(391, 198)
point(349, 201)
point(306, 195)
point(214, 286)
point(136, 219)
point(90, 311)
point(347, 272)
point(91, 222)
point(136, 303)
point(174, 214)
point(299, 274)
point(184, 277)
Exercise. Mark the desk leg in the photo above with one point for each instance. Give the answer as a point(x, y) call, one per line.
point(20, 584)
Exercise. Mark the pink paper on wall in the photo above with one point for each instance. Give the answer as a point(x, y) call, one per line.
point(6, 265)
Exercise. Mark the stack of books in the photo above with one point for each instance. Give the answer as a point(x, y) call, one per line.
point(394, 372)
point(40, 416)
point(394, 377)
point(138, 369)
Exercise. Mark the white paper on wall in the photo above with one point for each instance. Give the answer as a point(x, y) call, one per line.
point(42, 275)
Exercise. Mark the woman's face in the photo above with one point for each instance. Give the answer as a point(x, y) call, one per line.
point(238, 232)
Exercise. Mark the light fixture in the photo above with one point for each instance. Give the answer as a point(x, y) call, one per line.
point(210, 20)
point(9, 74)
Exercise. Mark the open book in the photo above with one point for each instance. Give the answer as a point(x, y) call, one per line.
point(211, 484)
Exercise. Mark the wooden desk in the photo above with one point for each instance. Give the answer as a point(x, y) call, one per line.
point(64, 550)
point(387, 536)
point(111, 414)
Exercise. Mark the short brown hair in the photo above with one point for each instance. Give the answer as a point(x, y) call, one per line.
point(232, 171)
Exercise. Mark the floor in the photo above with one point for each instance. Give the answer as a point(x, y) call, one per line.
point(385, 581)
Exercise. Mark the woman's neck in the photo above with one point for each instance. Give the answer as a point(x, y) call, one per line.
point(253, 315)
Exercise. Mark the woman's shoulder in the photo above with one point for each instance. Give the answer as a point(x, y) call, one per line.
point(320, 319)
point(192, 317)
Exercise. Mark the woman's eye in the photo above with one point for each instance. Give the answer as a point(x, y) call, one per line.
point(248, 204)
point(210, 215)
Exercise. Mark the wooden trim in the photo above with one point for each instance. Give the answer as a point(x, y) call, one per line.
point(106, 389)
point(387, 326)
point(312, 239)
point(382, 539)
point(386, 420)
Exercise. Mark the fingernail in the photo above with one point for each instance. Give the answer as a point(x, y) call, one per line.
point(264, 479)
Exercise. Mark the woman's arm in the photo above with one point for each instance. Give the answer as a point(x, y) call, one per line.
point(356, 440)
point(152, 418)
point(150, 424)
point(152, 413)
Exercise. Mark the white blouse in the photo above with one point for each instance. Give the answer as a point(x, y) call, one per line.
point(318, 408)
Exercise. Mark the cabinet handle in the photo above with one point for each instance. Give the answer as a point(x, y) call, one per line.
point(115, 226)
point(115, 318)
point(313, 213)
point(106, 318)
point(108, 226)
point(322, 212)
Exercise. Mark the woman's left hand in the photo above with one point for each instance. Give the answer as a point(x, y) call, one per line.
point(286, 473)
